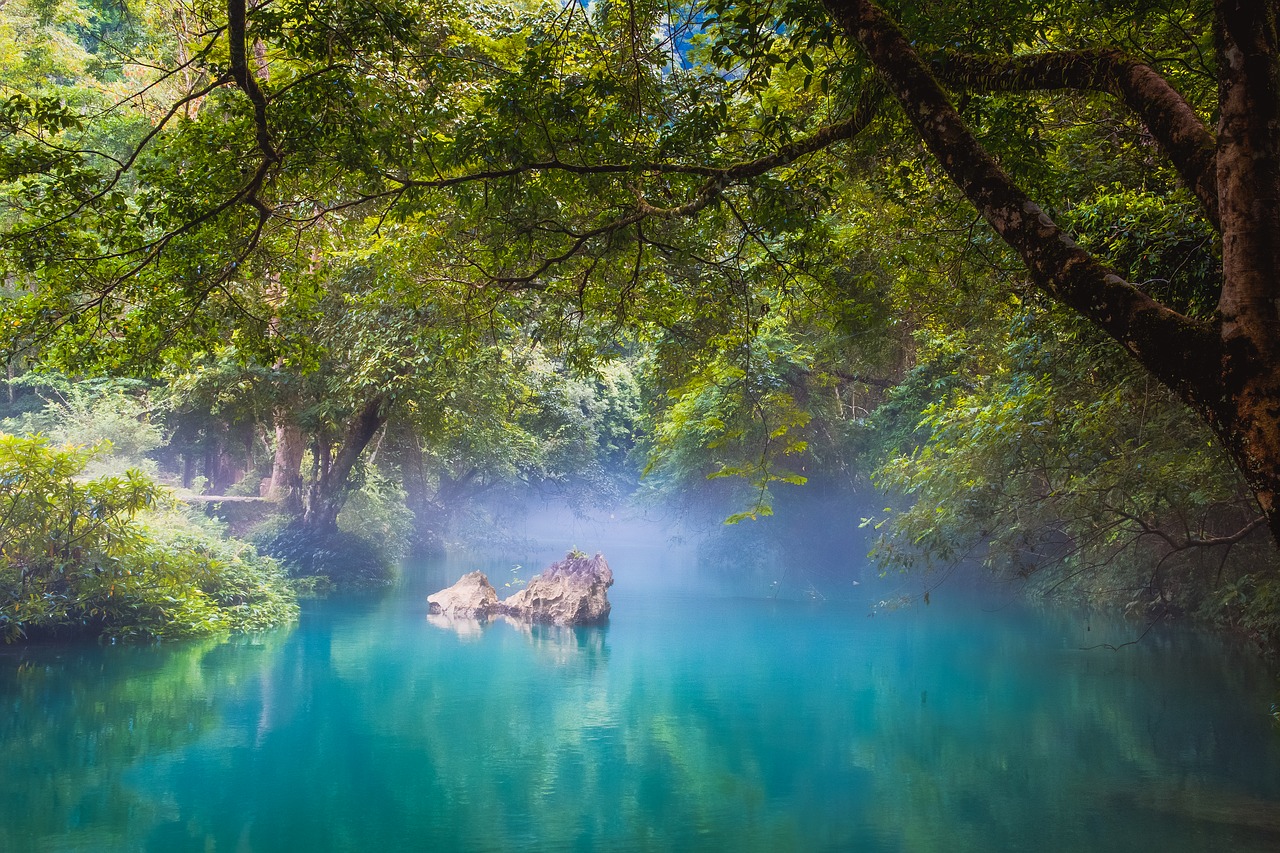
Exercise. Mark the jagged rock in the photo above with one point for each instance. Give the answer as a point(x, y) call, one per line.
point(472, 597)
point(572, 591)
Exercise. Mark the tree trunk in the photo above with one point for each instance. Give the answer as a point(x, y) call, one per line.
point(329, 491)
point(286, 467)
point(1246, 413)
point(1227, 369)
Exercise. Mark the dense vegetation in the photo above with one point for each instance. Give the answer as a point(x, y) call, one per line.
point(393, 263)
point(103, 557)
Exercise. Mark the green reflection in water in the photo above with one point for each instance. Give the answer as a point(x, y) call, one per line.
point(686, 723)
point(72, 719)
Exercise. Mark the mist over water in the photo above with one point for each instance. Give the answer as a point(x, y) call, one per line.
point(734, 701)
point(814, 549)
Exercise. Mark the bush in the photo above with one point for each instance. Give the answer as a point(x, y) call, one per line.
point(377, 513)
point(101, 557)
point(373, 535)
point(118, 423)
point(347, 560)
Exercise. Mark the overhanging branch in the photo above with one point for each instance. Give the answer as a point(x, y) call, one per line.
point(719, 179)
point(725, 175)
point(1180, 133)
point(1179, 351)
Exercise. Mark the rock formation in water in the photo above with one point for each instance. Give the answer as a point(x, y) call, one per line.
point(573, 591)
point(472, 597)
point(570, 592)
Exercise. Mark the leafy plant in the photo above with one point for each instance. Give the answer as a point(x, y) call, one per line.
point(1065, 466)
point(106, 556)
point(377, 513)
point(115, 416)
point(347, 560)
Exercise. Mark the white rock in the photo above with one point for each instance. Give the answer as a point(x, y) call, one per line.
point(472, 597)
point(572, 591)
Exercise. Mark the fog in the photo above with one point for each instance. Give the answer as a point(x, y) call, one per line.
point(813, 549)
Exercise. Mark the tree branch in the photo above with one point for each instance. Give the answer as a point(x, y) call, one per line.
point(1180, 133)
point(723, 175)
point(1181, 352)
point(719, 180)
point(1149, 529)
point(243, 75)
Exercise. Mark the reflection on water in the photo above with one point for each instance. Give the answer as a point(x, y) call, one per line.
point(686, 723)
point(466, 629)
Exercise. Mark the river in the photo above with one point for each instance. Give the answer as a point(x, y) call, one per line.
point(695, 720)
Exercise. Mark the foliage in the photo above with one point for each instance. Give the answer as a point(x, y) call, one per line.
point(349, 561)
point(116, 416)
point(311, 586)
point(376, 512)
point(511, 424)
point(247, 589)
point(470, 221)
point(738, 416)
point(583, 429)
point(782, 401)
point(98, 557)
point(1061, 463)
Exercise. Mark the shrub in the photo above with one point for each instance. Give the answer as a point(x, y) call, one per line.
point(115, 421)
point(373, 535)
point(101, 556)
point(347, 560)
point(377, 513)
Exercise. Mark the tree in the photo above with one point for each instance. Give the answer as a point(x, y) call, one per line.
point(1054, 459)
point(569, 160)
point(1224, 367)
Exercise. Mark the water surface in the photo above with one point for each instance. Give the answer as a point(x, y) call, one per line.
point(692, 721)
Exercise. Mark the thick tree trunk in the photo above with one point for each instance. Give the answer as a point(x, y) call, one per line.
point(1248, 160)
point(329, 491)
point(286, 467)
point(1228, 370)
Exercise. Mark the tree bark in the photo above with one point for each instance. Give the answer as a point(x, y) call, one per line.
point(329, 491)
point(1247, 413)
point(1226, 369)
point(286, 467)
point(1172, 122)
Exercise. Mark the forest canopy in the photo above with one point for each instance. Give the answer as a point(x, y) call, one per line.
point(1013, 262)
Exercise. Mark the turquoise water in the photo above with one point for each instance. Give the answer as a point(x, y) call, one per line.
point(693, 721)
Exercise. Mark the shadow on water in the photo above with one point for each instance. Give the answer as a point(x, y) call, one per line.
point(697, 719)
